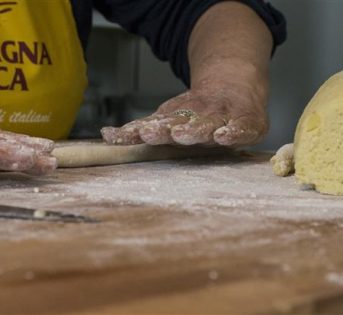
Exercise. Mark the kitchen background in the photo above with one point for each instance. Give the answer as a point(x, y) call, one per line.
point(127, 81)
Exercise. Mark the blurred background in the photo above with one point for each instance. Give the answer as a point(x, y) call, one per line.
point(127, 81)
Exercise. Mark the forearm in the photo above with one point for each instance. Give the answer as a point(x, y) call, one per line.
point(228, 52)
point(230, 45)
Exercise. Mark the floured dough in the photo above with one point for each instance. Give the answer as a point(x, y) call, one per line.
point(319, 139)
point(82, 154)
point(283, 160)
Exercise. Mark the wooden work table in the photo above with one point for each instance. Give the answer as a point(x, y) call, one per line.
point(200, 236)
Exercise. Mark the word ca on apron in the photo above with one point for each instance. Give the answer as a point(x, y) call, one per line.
point(18, 54)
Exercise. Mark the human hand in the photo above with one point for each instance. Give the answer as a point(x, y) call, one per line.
point(229, 86)
point(21, 153)
point(234, 116)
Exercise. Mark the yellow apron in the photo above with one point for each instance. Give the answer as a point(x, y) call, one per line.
point(42, 68)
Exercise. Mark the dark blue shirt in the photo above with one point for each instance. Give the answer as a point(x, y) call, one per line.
point(166, 24)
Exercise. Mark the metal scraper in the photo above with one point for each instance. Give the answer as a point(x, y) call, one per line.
point(19, 213)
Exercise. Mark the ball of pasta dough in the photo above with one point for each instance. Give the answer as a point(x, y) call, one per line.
point(319, 139)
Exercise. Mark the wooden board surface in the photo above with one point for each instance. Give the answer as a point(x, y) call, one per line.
point(176, 237)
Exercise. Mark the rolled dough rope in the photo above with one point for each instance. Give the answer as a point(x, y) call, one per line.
point(82, 154)
point(283, 160)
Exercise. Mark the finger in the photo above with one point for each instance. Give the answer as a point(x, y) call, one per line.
point(43, 164)
point(158, 132)
point(38, 144)
point(128, 134)
point(112, 135)
point(15, 157)
point(197, 131)
point(238, 132)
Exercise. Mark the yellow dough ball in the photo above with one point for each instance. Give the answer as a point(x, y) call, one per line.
point(319, 139)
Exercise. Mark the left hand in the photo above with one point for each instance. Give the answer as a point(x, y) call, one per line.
point(232, 117)
point(22, 153)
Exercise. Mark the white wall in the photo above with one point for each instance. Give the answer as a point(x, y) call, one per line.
point(312, 53)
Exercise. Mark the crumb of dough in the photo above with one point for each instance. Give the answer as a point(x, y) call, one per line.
point(39, 214)
point(283, 160)
point(213, 275)
point(36, 190)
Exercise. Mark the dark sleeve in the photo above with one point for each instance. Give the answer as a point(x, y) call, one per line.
point(167, 24)
point(82, 10)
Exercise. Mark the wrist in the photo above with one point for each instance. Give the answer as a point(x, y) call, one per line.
point(232, 76)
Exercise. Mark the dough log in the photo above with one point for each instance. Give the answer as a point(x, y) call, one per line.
point(83, 154)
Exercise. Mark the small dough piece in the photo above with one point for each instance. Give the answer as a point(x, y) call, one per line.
point(319, 139)
point(283, 160)
point(39, 214)
point(83, 154)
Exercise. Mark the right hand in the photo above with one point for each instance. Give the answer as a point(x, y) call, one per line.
point(22, 153)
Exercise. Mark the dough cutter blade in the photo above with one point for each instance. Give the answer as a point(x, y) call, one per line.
point(19, 213)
